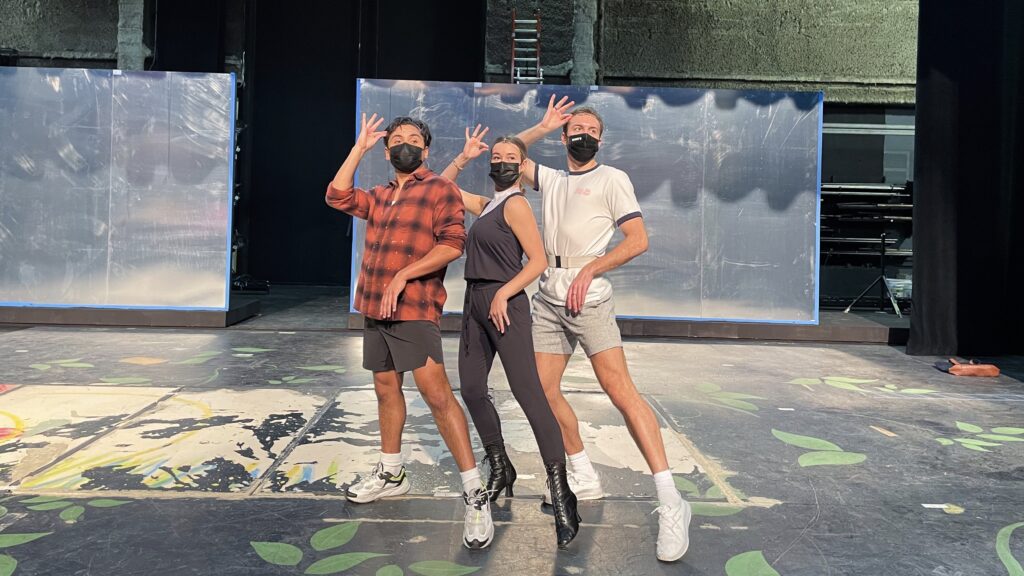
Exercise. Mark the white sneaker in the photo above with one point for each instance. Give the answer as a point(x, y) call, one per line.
point(479, 528)
point(673, 531)
point(379, 484)
point(584, 488)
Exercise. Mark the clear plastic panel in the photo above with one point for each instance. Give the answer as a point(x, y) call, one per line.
point(115, 188)
point(728, 182)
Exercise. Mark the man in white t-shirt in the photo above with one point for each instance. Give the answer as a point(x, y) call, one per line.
point(582, 207)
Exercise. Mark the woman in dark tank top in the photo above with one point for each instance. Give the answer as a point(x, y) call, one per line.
point(496, 319)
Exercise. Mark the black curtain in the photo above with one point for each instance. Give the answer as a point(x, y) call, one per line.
point(304, 59)
point(188, 36)
point(969, 179)
point(307, 57)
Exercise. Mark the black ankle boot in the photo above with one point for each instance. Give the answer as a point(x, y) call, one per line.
point(502, 475)
point(567, 519)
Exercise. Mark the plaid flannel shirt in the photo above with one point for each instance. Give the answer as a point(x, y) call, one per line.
point(429, 212)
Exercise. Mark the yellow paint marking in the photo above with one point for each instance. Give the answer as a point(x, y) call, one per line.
point(884, 432)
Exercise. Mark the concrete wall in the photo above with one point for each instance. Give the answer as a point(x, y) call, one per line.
point(858, 51)
point(82, 33)
point(97, 33)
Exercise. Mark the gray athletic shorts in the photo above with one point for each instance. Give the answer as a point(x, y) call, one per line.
point(555, 331)
point(400, 345)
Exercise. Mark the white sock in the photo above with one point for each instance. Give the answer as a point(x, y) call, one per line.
point(471, 480)
point(581, 466)
point(392, 462)
point(668, 494)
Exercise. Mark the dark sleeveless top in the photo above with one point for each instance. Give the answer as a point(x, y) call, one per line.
point(493, 253)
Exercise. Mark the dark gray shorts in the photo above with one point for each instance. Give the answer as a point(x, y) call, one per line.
point(402, 345)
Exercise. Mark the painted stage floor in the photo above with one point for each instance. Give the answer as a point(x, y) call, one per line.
point(139, 451)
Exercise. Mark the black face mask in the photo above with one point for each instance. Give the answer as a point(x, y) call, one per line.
point(504, 174)
point(582, 147)
point(406, 158)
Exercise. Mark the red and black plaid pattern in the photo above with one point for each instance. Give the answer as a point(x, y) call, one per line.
point(428, 212)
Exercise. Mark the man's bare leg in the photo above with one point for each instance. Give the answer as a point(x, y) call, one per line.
point(390, 410)
point(451, 423)
point(674, 512)
point(611, 371)
point(388, 478)
point(433, 384)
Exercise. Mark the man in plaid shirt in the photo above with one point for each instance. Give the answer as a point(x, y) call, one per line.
point(414, 228)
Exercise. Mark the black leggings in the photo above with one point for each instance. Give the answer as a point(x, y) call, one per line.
point(480, 340)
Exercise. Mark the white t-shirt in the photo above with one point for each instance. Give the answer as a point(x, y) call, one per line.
point(580, 213)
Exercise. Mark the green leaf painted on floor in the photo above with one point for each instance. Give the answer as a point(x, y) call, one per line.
point(749, 564)
point(891, 386)
point(323, 368)
point(46, 426)
point(252, 350)
point(125, 380)
point(845, 380)
point(8, 540)
point(916, 391)
point(64, 361)
point(976, 442)
point(340, 562)
point(843, 385)
point(341, 371)
point(441, 568)
point(830, 458)
point(714, 492)
point(334, 536)
point(807, 442)
point(391, 570)
point(805, 381)
point(208, 354)
point(1001, 437)
point(7, 565)
point(71, 515)
point(3, 511)
point(976, 448)
point(289, 378)
point(42, 499)
point(107, 503)
point(77, 365)
point(278, 553)
point(57, 505)
point(737, 396)
point(945, 441)
point(1013, 567)
point(41, 367)
point(685, 485)
point(737, 404)
point(274, 382)
point(969, 427)
point(714, 510)
point(196, 360)
point(708, 388)
point(1008, 430)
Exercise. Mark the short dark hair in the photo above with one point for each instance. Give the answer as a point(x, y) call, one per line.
point(584, 110)
point(511, 139)
point(407, 121)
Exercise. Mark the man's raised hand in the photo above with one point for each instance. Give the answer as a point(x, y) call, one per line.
point(368, 133)
point(557, 114)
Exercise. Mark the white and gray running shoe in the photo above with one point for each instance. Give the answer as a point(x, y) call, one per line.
point(479, 528)
point(379, 484)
